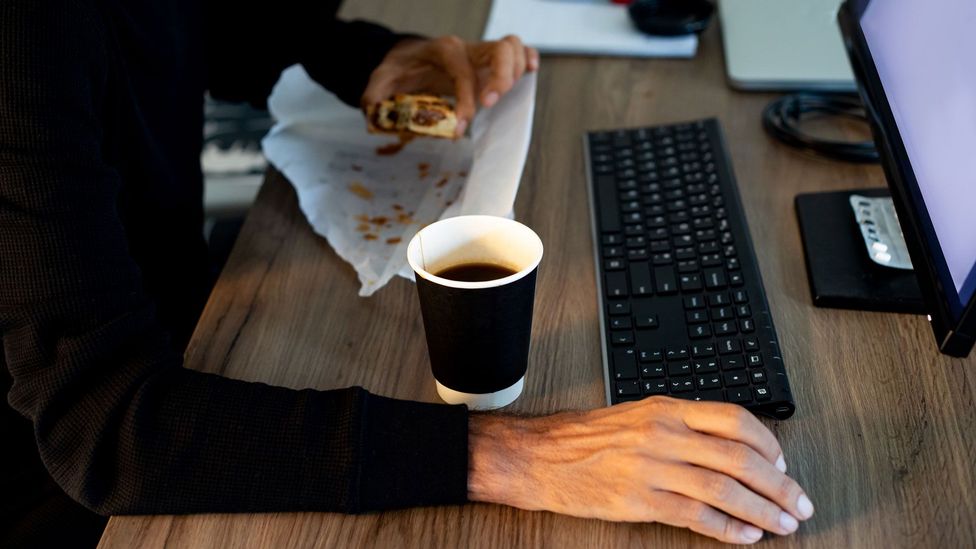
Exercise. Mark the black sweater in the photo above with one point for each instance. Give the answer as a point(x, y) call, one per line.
point(103, 271)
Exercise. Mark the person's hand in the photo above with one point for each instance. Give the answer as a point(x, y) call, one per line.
point(710, 467)
point(450, 66)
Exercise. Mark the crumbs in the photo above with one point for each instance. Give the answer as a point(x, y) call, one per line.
point(393, 148)
point(359, 190)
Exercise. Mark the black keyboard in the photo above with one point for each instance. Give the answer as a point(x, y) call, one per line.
point(683, 309)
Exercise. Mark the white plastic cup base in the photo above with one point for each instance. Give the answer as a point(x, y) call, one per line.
point(482, 401)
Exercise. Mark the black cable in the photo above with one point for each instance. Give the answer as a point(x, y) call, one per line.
point(782, 119)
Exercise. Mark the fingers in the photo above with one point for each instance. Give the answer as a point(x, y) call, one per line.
point(532, 57)
point(508, 61)
point(452, 55)
point(682, 511)
point(729, 496)
point(734, 423)
point(751, 469)
point(381, 86)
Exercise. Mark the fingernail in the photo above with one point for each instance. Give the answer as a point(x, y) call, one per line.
point(750, 534)
point(788, 523)
point(462, 125)
point(804, 506)
point(491, 98)
point(781, 464)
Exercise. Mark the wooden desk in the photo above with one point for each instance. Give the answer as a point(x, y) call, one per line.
point(884, 438)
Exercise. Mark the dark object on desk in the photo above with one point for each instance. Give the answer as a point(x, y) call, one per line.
point(925, 150)
point(782, 119)
point(841, 274)
point(682, 305)
point(671, 17)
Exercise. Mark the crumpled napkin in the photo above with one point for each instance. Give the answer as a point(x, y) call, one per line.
point(368, 199)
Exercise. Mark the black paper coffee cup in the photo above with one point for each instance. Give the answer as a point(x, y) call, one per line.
point(477, 331)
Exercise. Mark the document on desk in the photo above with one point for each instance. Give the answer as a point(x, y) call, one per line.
point(582, 27)
point(367, 196)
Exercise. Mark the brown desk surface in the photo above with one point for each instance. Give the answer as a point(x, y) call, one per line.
point(884, 438)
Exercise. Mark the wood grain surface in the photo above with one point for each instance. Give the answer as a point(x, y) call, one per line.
point(884, 437)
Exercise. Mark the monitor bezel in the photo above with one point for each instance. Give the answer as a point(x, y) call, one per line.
point(954, 323)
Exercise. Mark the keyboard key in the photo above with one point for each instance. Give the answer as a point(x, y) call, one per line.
point(743, 311)
point(679, 368)
point(655, 387)
point(762, 393)
point(619, 308)
point(738, 396)
point(612, 239)
point(685, 254)
point(747, 325)
point(647, 322)
point(709, 366)
point(699, 331)
point(702, 349)
point(613, 251)
point(736, 279)
point(616, 284)
point(728, 346)
point(709, 382)
point(637, 254)
point(757, 376)
point(715, 278)
point(754, 360)
point(722, 313)
point(654, 355)
point(740, 296)
point(734, 362)
point(614, 264)
point(681, 385)
point(696, 317)
point(711, 260)
point(690, 266)
point(724, 328)
point(735, 379)
point(694, 302)
point(718, 300)
point(620, 323)
point(690, 282)
point(640, 278)
point(652, 371)
point(676, 353)
point(622, 338)
point(750, 344)
point(666, 283)
point(625, 364)
point(628, 389)
point(711, 396)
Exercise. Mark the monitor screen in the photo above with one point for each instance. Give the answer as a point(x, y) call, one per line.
point(925, 55)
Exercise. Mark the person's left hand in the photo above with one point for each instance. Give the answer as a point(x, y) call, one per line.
point(450, 66)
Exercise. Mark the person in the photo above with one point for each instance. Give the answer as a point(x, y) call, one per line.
point(103, 273)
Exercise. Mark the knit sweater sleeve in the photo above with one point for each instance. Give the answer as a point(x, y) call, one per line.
point(247, 48)
point(119, 423)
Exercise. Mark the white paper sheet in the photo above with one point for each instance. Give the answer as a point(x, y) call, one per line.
point(587, 27)
point(368, 206)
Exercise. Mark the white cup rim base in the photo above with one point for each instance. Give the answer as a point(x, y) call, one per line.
point(482, 401)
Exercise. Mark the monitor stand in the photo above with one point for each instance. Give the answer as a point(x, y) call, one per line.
point(841, 273)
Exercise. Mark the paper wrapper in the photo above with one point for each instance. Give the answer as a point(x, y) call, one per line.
point(369, 205)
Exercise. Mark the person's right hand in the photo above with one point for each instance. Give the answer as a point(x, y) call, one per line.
point(710, 467)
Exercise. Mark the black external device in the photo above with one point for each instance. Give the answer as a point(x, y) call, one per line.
point(671, 17)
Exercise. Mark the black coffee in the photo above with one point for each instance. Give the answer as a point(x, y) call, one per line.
point(476, 272)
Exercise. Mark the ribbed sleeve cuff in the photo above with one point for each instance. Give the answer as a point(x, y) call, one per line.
point(414, 454)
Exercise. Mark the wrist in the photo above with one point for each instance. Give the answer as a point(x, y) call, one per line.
point(499, 467)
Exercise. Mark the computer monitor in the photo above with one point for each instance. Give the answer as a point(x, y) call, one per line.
point(913, 61)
